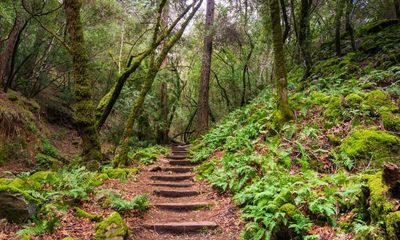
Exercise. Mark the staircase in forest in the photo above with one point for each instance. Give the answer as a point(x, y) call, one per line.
point(178, 206)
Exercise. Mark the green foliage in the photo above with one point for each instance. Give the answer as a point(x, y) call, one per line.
point(147, 155)
point(115, 201)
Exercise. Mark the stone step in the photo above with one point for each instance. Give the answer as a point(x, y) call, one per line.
point(177, 169)
point(180, 162)
point(172, 177)
point(176, 157)
point(176, 193)
point(183, 206)
point(173, 185)
point(181, 227)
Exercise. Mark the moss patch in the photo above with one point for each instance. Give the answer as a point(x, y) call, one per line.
point(393, 225)
point(121, 173)
point(367, 145)
point(391, 122)
point(377, 102)
point(113, 227)
point(379, 204)
point(83, 214)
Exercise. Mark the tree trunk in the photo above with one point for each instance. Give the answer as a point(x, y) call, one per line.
point(280, 65)
point(285, 20)
point(202, 113)
point(304, 37)
point(349, 26)
point(397, 8)
point(7, 56)
point(83, 106)
point(338, 20)
point(162, 137)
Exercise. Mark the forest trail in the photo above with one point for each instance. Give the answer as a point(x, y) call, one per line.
point(182, 208)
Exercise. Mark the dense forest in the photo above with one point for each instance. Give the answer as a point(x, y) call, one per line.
point(227, 119)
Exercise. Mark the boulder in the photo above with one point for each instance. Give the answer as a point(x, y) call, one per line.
point(16, 205)
point(112, 228)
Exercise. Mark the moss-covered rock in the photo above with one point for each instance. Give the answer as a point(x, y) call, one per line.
point(391, 122)
point(334, 108)
point(99, 179)
point(83, 214)
point(393, 225)
point(70, 238)
point(353, 100)
point(379, 203)
point(44, 177)
point(16, 205)
point(369, 145)
point(121, 173)
point(112, 228)
point(378, 102)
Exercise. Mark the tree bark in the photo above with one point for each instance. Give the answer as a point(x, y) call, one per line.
point(280, 65)
point(285, 20)
point(83, 106)
point(338, 20)
point(202, 113)
point(304, 37)
point(349, 26)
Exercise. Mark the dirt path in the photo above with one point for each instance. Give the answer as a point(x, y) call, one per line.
point(182, 208)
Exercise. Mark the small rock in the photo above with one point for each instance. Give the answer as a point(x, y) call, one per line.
point(155, 169)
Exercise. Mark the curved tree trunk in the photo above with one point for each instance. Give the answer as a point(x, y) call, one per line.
point(280, 65)
point(83, 106)
point(202, 113)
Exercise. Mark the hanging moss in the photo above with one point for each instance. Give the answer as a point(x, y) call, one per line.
point(371, 146)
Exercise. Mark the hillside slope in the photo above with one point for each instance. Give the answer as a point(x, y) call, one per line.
point(319, 177)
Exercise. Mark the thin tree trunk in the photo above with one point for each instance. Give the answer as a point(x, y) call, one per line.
point(349, 26)
point(285, 20)
point(83, 106)
point(280, 65)
point(338, 20)
point(202, 113)
point(121, 158)
point(7, 56)
point(304, 37)
point(397, 8)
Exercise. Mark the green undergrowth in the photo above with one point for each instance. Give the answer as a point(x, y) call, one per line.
point(147, 155)
point(53, 193)
point(323, 170)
